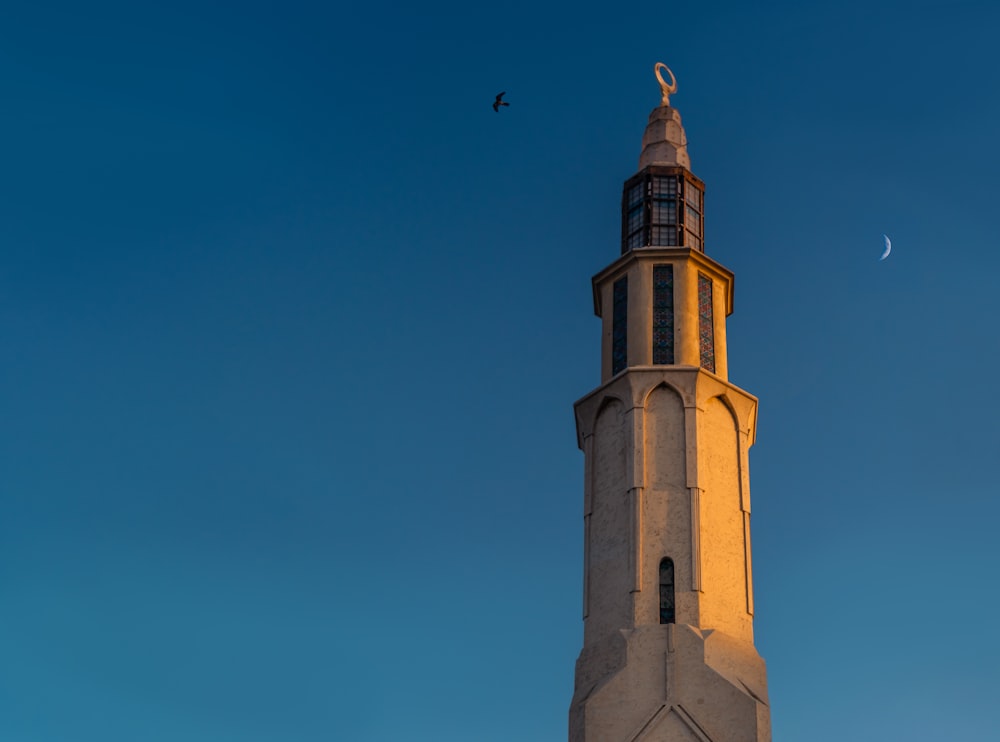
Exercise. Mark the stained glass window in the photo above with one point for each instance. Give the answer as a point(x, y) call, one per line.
point(619, 326)
point(706, 331)
point(663, 314)
point(668, 613)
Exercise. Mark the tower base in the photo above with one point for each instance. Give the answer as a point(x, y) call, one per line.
point(709, 687)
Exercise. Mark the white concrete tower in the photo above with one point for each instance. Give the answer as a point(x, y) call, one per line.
point(668, 653)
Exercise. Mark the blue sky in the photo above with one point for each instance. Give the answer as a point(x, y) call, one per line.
point(293, 324)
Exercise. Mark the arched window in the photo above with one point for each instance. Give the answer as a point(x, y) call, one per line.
point(667, 613)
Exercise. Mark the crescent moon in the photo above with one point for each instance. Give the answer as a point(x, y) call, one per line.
point(888, 248)
point(664, 87)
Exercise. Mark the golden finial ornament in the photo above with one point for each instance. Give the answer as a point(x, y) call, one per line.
point(664, 87)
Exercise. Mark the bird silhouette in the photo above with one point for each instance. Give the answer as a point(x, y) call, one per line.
point(497, 103)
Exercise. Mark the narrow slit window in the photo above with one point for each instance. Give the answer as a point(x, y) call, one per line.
point(619, 326)
point(706, 320)
point(663, 314)
point(668, 614)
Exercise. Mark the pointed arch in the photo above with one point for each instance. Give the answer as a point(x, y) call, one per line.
point(724, 524)
point(665, 434)
point(607, 550)
point(606, 400)
point(730, 407)
point(664, 383)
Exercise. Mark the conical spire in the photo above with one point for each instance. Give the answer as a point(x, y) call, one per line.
point(664, 142)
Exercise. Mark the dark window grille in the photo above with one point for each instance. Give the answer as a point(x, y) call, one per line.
point(635, 194)
point(663, 314)
point(635, 219)
point(662, 206)
point(693, 198)
point(693, 222)
point(665, 212)
point(663, 236)
point(668, 613)
point(706, 330)
point(619, 326)
point(665, 186)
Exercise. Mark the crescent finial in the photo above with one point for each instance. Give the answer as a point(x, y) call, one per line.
point(664, 87)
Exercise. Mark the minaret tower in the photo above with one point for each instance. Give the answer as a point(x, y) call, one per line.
point(668, 653)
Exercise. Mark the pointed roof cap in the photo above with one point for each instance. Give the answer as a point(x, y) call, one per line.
point(664, 142)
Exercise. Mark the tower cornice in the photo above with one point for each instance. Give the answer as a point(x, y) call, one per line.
point(704, 263)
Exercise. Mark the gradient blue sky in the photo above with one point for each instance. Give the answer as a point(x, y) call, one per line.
point(293, 323)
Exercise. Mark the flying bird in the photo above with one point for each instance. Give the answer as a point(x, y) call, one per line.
point(888, 248)
point(497, 103)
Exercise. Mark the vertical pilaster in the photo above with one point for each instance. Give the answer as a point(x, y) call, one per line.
point(640, 329)
point(686, 315)
point(691, 477)
point(635, 539)
point(719, 298)
point(695, 539)
point(747, 562)
point(588, 509)
point(586, 566)
point(744, 446)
